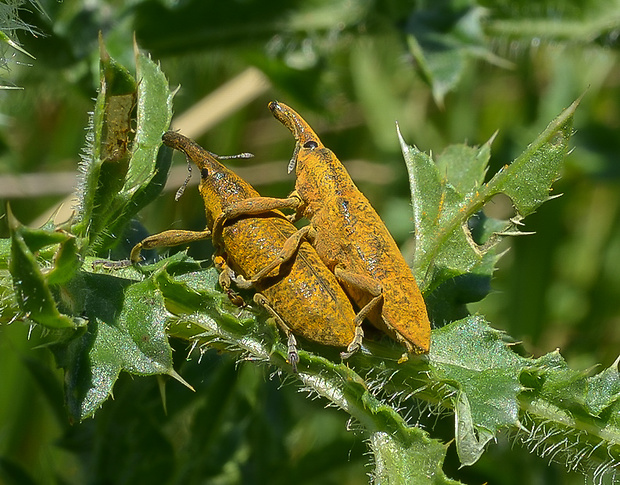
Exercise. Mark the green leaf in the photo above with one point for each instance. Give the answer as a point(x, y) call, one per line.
point(32, 290)
point(528, 179)
point(603, 390)
point(471, 357)
point(154, 115)
point(66, 262)
point(442, 38)
point(38, 238)
point(574, 417)
point(454, 241)
point(150, 161)
point(122, 172)
point(420, 462)
point(119, 179)
point(126, 331)
point(442, 69)
point(205, 313)
point(555, 381)
point(106, 156)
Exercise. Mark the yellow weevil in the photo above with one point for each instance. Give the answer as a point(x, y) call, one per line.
point(301, 294)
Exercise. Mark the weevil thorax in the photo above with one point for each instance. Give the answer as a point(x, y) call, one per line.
point(320, 175)
point(220, 188)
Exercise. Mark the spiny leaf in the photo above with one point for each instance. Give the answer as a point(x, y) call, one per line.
point(6, 39)
point(551, 377)
point(106, 156)
point(603, 390)
point(150, 162)
point(453, 239)
point(570, 416)
point(126, 331)
point(32, 289)
point(551, 406)
point(66, 262)
point(419, 462)
point(126, 318)
point(528, 179)
point(123, 172)
point(472, 358)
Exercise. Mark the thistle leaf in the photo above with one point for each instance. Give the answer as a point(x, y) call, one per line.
point(125, 332)
point(455, 241)
point(123, 171)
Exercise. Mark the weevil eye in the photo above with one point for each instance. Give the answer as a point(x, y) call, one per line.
point(204, 173)
point(311, 144)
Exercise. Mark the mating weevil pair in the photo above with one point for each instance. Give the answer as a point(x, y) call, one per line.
point(345, 246)
point(246, 245)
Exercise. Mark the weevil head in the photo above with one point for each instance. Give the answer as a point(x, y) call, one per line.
point(299, 127)
point(301, 130)
point(219, 186)
point(204, 160)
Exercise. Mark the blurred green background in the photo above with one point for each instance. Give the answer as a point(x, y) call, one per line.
point(448, 72)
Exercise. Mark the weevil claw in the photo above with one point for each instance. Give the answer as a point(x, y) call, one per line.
point(355, 344)
point(293, 356)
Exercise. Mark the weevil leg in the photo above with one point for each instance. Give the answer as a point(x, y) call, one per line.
point(251, 207)
point(374, 289)
point(355, 344)
point(294, 217)
point(293, 355)
point(225, 279)
point(167, 239)
point(291, 245)
point(288, 251)
point(367, 285)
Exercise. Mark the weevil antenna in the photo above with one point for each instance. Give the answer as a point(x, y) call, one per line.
point(293, 161)
point(238, 155)
point(179, 193)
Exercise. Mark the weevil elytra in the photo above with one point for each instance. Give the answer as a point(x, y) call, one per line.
point(350, 237)
point(301, 293)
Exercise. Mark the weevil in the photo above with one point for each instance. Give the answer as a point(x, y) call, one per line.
point(301, 294)
point(349, 236)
